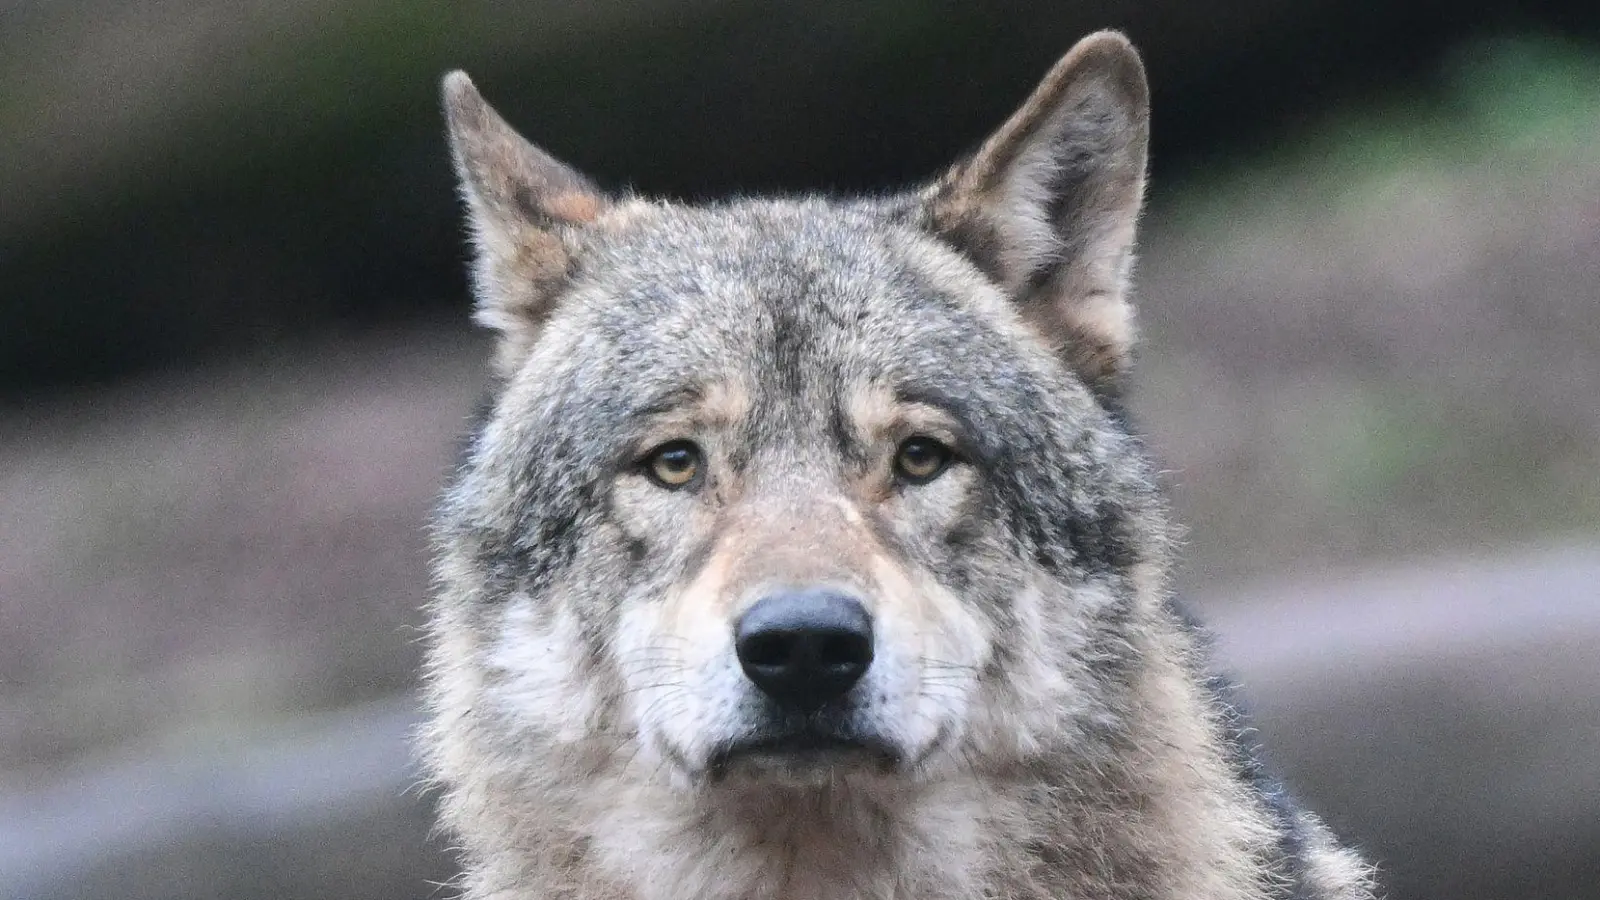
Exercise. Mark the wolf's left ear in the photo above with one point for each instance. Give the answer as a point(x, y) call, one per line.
point(525, 209)
point(1049, 203)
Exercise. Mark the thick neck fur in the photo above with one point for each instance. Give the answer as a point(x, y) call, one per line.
point(836, 841)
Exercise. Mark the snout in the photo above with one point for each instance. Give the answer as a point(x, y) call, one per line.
point(805, 682)
point(804, 648)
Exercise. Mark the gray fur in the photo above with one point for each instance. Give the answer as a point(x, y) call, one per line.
point(1050, 727)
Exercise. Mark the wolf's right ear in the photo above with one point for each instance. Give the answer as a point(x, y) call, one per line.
point(524, 208)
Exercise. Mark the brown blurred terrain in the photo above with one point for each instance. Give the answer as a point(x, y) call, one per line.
point(1372, 369)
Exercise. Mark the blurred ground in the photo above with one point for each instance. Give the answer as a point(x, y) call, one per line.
point(1374, 342)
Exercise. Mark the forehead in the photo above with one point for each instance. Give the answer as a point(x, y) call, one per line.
point(803, 293)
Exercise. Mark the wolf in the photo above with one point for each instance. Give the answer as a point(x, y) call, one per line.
point(805, 552)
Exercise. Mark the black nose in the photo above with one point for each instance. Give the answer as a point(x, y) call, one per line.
point(803, 648)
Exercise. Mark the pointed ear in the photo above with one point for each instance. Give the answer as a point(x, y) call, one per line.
point(1048, 204)
point(525, 209)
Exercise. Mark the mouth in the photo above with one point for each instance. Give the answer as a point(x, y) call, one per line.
point(805, 757)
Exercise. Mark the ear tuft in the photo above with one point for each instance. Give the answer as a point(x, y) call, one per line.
point(460, 94)
point(1049, 204)
point(525, 209)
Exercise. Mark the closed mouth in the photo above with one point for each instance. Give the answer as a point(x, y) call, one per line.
point(802, 753)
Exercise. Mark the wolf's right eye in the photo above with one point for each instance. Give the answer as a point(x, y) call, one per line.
point(673, 464)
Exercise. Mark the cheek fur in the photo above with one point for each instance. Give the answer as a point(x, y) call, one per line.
point(662, 530)
point(920, 516)
point(682, 689)
point(931, 647)
point(544, 675)
point(643, 511)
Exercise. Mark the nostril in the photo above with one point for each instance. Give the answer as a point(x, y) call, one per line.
point(766, 650)
point(843, 649)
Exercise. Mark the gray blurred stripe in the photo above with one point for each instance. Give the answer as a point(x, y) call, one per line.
point(316, 772)
point(1440, 606)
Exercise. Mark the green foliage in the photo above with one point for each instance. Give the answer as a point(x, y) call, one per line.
point(1495, 99)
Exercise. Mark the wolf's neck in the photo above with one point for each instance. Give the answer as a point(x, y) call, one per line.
point(1020, 838)
point(826, 844)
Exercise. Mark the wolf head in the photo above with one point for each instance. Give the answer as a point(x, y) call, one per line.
point(777, 492)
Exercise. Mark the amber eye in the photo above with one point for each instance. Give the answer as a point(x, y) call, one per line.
point(921, 459)
point(673, 464)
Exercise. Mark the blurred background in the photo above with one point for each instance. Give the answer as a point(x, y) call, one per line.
point(234, 359)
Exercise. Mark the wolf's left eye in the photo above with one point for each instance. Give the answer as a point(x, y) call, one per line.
point(921, 459)
point(673, 464)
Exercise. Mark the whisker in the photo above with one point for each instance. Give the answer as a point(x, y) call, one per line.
point(663, 666)
point(666, 700)
point(929, 662)
point(677, 685)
